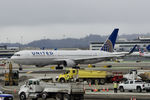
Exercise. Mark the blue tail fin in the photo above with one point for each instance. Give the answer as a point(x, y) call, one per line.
point(132, 50)
point(110, 42)
point(148, 47)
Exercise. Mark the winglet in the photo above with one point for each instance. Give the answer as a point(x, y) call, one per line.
point(132, 49)
point(110, 42)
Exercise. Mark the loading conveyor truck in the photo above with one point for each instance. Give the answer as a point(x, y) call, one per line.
point(91, 76)
point(35, 89)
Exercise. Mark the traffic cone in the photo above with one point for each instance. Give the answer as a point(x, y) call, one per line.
point(107, 90)
point(95, 90)
point(14, 90)
point(89, 84)
point(103, 89)
point(134, 98)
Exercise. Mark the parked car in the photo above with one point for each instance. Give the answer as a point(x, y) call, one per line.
point(5, 96)
point(131, 85)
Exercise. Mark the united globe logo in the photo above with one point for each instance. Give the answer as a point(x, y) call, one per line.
point(108, 46)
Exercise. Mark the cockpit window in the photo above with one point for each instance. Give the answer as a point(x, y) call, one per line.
point(16, 54)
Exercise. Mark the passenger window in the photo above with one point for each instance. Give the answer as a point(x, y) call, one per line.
point(34, 82)
point(66, 72)
point(131, 82)
point(30, 82)
point(74, 71)
point(127, 82)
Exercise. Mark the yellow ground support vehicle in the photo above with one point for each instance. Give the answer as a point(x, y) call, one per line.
point(11, 77)
point(91, 76)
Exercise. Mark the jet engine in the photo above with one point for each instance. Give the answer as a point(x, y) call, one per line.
point(69, 63)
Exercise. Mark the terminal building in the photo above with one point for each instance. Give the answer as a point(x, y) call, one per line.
point(7, 52)
point(125, 45)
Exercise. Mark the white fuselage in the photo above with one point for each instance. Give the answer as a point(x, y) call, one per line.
point(67, 57)
point(50, 57)
point(145, 54)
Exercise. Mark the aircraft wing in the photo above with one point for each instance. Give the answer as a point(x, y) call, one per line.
point(93, 59)
point(100, 59)
point(104, 58)
point(87, 59)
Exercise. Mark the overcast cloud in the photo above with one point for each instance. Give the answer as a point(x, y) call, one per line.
point(54, 19)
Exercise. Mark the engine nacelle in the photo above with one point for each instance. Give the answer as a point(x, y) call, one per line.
point(69, 63)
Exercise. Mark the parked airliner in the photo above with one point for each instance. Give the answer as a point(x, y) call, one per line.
point(68, 58)
point(142, 52)
point(145, 53)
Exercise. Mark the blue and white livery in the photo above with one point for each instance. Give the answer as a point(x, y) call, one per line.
point(68, 58)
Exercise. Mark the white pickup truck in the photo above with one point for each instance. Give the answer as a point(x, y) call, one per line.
point(35, 89)
point(131, 85)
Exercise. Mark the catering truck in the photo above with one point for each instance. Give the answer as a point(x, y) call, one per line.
point(35, 89)
point(91, 76)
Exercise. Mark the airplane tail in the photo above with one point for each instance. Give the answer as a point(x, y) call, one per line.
point(148, 47)
point(132, 50)
point(110, 42)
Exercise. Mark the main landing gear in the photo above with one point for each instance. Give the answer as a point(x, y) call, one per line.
point(20, 67)
point(59, 67)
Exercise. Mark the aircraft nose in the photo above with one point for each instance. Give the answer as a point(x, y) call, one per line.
point(12, 58)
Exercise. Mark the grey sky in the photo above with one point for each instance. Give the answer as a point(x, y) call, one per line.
point(37, 19)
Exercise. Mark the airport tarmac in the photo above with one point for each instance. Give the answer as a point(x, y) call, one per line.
point(34, 72)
